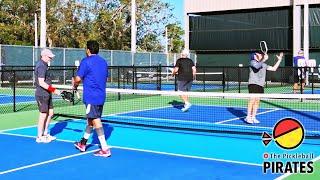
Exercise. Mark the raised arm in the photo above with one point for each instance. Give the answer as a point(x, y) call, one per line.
point(276, 65)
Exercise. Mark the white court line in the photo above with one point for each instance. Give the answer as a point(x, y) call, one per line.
point(187, 156)
point(233, 119)
point(116, 147)
point(26, 127)
point(45, 162)
point(282, 177)
point(151, 151)
point(4, 95)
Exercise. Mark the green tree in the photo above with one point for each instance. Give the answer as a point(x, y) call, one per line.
point(175, 33)
point(150, 42)
point(70, 23)
point(113, 22)
point(17, 21)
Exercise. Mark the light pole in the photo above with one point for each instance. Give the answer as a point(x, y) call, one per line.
point(43, 25)
point(166, 41)
point(35, 30)
point(133, 26)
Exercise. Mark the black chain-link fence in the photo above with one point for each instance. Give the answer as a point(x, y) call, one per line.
point(17, 84)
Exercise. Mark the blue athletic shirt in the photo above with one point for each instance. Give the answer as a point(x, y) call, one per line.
point(296, 59)
point(93, 71)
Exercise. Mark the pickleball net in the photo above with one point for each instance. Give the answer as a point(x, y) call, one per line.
point(210, 112)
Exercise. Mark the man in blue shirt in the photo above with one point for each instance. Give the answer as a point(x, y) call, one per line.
point(93, 73)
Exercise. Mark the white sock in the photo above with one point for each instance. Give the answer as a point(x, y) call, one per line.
point(87, 132)
point(86, 135)
point(103, 142)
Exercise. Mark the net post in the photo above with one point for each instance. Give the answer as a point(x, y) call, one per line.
point(134, 77)
point(282, 79)
point(118, 76)
point(204, 79)
point(159, 77)
point(227, 77)
point(223, 79)
point(118, 68)
point(73, 94)
point(14, 90)
point(64, 64)
point(312, 81)
point(175, 83)
point(125, 76)
point(301, 90)
point(239, 79)
point(73, 75)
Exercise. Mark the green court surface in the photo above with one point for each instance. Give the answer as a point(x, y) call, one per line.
point(314, 176)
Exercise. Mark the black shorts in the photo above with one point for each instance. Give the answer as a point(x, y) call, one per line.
point(296, 78)
point(184, 85)
point(94, 111)
point(254, 88)
point(44, 103)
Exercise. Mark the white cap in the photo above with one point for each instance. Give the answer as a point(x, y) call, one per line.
point(185, 52)
point(47, 52)
point(300, 52)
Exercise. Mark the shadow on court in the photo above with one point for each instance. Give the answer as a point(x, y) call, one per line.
point(176, 104)
point(61, 126)
point(237, 112)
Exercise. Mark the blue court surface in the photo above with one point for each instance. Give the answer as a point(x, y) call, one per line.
point(144, 153)
point(166, 87)
point(210, 117)
point(309, 91)
point(8, 99)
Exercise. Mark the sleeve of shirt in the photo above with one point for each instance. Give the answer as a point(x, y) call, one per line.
point(255, 64)
point(192, 63)
point(177, 63)
point(41, 71)
point(295, 61)
point(82, 71)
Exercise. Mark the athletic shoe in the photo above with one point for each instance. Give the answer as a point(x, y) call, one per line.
point(42, 139)
point(80, 146)
point(186, 107)
point(255, 120)
point(248, 120)
point(50, 138)
point(103, 153)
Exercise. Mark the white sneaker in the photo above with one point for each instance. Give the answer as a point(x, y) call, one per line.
point(255, 120)
point(186, 107)
point(248, 120)
point(42, 139)
point(50, 138)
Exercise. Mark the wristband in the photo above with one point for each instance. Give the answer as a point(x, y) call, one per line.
point(51, 89)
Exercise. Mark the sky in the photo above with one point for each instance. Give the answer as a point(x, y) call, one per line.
point(178, 9)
